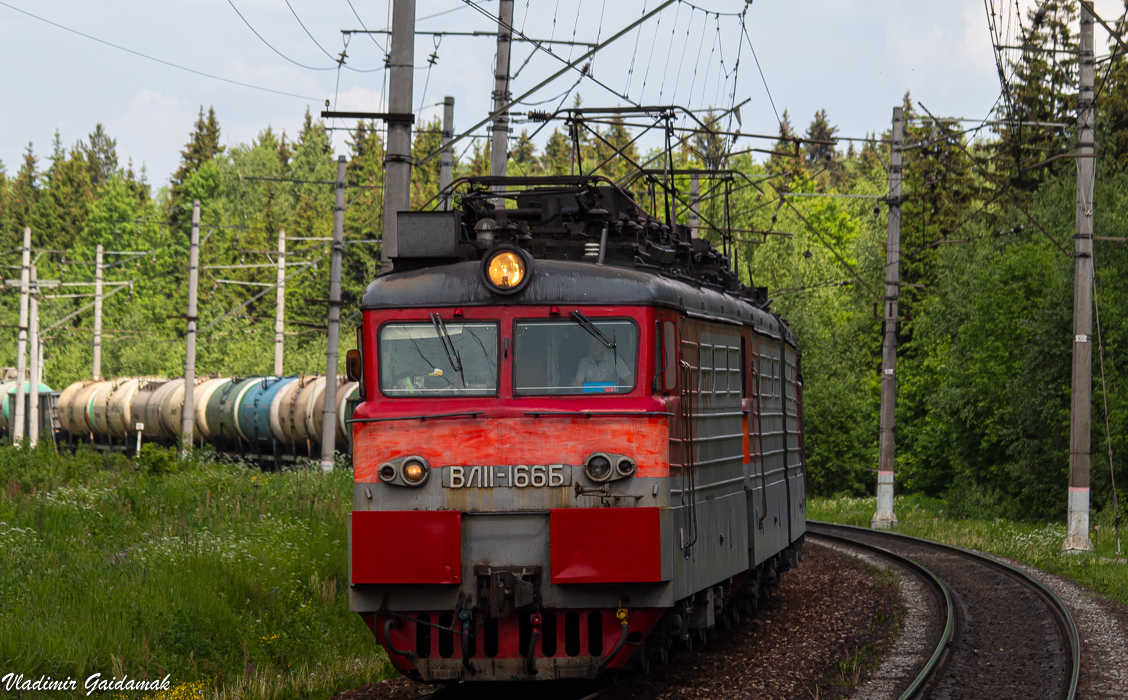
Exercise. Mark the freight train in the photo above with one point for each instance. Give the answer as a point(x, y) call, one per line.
point(256, 417)
point(580, 438)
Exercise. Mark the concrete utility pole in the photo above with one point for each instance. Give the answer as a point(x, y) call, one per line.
point(397, 161)
point(329, 425)
point(884, 517)
point(1080, 414)
point(499, 147)
point(97, 369)
point(280, 305)
point(694, 196)
point(18, 414)
point(446, 165)
point(33, 351)
point(188, 415)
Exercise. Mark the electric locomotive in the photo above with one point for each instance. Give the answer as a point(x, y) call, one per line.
point(580, 442)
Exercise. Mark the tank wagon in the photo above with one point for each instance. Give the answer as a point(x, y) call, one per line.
point(264, 417)
point(580, 442)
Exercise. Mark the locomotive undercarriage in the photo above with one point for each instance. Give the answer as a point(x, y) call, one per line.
point(505, 632)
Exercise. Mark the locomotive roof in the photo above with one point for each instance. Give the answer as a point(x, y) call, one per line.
point(566, 282)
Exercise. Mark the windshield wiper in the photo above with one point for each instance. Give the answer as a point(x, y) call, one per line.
point(588, 326)
point(448, 346)
point(611, 343)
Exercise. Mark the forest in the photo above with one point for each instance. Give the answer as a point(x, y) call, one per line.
point(985, 335)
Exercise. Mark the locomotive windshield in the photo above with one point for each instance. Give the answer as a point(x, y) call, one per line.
point(438, 359)
point(563, 357)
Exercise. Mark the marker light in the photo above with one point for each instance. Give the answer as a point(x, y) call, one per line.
point(506, 269)
point(626, 467)
point(414, 473)
point(387, 472)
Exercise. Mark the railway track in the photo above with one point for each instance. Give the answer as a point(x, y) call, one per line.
point(1004, 634)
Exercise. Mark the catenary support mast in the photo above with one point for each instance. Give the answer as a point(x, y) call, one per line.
point(33, 352)
point(397, 161)
point(499, 146)
point(446, 165)
point(96, 370)
point(18, 414)
point(884, 517)
point(188, 416)
point(280, 305)
point(329, 425)
point(1077, 533)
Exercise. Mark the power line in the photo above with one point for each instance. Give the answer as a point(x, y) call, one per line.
point(744, 31)
point(271, 46)
point(304, 29)
point(153, 58)
point(583, 71)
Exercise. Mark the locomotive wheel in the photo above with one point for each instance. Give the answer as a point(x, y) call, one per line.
point(664, 655)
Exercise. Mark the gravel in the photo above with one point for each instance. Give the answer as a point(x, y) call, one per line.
point(920, 632)
point(1103, 626)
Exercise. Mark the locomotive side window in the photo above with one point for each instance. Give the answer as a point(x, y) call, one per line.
point(429, 359)
point(563, 357)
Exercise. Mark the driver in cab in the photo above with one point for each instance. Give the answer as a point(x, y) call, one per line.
point(600, 368)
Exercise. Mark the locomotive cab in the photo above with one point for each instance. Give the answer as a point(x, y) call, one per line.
point(565, 461)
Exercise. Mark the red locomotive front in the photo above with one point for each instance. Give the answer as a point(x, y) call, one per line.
point(558, 463)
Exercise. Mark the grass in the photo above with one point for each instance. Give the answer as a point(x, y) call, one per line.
point(230, 580)
point(1036, 544)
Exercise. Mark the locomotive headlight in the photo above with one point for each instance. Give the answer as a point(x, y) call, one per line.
point(506, 269)
point(598, 467)
point(414, 472)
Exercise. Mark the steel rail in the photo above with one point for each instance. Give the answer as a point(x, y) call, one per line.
point(916, 688)
point(1057, 608)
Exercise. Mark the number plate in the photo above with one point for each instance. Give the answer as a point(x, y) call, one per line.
point(508, 476)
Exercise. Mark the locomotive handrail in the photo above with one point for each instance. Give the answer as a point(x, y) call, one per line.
point(466, 414)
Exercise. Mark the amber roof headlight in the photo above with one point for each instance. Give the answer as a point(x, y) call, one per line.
point(506, 269)
point(414, 472)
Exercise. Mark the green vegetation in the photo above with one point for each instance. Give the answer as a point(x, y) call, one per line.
point(1037, 544)
point(230, 579)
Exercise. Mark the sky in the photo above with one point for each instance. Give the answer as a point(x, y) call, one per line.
point(854, 58)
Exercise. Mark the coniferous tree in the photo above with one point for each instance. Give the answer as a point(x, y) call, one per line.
point(779, 163)
point(100, 153)
point(365, 219)
point(523, 156)
point(557, 158)
point(819, 155)
point(1041, 92)
point(66, 190)
point(202, 147)
point(425, 178)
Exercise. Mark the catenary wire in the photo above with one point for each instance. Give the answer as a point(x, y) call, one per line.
point(170, 64)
